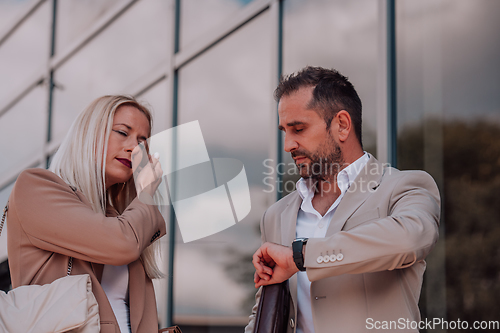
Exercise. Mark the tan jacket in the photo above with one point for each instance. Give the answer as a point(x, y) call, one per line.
point(390, 223)
point(48, 222)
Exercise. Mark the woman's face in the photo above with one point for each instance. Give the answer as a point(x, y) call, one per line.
point(130, 127)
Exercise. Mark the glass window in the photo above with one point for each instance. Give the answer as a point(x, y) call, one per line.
point(10, 11)
point(336, 34)
point(232, 102)
point(25, 52)
point(197, 17)
point(23, 131)
point(74, 17)
point(156, 98)
point(132, 47)
point(449, 125)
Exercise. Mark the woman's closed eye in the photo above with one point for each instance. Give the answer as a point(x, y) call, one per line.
point(121, 132)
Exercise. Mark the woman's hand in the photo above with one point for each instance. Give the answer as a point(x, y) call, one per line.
point(147, 174)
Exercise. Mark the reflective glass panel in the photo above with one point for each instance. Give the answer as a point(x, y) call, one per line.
point(198, 17)
point(75, 17)
point(156, 98)
point(336, 34)
point(23, 131)
point(159, 105)
point(132, 47)
point(25, 53)
point(232, 101)
point(10, 11)
point(449, 125)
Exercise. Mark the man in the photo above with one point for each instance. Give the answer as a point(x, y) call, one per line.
point(361, 229)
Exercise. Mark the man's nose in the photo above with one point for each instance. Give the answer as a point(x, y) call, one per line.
point(290, 144)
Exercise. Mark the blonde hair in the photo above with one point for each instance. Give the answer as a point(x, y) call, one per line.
point(81, 162)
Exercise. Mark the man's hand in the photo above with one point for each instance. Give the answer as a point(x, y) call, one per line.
point(273, 264)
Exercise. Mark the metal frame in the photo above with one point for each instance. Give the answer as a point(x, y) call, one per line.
point(386, 84)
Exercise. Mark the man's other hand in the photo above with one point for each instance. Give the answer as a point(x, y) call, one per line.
point(273, 264)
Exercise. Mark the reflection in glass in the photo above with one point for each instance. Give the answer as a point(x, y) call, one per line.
point(156, 99)
point(228, 90)
point(74, 17)
point(10, 11)
point(130, 48)
point(336, 34)
point(198, 17)
point(25, 53)
point(449, 125)
point(23, 131)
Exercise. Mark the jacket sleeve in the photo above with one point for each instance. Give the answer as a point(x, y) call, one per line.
point(55, 219)
point(404, 237)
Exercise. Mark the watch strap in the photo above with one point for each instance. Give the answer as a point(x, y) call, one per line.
point(298, 257)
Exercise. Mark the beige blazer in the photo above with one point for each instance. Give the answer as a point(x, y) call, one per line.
point(48, 222)
point(389, 223)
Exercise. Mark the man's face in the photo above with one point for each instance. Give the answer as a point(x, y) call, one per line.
point(312, 146)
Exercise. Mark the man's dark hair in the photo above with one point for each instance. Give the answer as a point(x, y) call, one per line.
point(332, 92)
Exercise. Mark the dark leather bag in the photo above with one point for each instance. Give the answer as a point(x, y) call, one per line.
point(274, 309)
point(171, 329)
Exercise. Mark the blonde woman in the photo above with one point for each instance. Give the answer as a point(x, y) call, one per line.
point(85, 208)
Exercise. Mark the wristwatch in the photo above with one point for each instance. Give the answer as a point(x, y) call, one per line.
point(298, 257)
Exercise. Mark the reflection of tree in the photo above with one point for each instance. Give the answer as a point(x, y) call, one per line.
point(471, 213)
point(240, 269)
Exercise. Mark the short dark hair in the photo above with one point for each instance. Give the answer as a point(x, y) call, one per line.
point(332, 92)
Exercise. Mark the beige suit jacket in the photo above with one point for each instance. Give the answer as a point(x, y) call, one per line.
point(389, 222)
point(48, 222)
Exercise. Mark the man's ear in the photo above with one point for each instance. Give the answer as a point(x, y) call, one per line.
point(344, 125)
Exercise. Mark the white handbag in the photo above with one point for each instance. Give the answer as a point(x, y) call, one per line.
point(65, 305)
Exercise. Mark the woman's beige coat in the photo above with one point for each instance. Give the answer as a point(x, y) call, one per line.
point(48, 222)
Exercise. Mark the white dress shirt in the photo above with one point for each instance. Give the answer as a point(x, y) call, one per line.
point(310, 224)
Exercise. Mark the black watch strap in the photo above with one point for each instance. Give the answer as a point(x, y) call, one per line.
point(298, 257)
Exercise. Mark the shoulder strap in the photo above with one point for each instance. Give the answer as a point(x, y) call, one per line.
point(3, 216)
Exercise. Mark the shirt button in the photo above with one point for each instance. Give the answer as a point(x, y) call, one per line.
point(319, 260)
point(321, 225)
point(292, 323)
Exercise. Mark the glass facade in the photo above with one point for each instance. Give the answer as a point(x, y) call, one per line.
point(218, 62)
point(449, 125)
point(222, 80)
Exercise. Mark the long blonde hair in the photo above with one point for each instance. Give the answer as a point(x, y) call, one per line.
point(81, 162)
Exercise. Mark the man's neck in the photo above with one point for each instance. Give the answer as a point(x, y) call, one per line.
point(326, 192)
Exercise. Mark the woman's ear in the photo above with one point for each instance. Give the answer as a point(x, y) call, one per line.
point(344, 124)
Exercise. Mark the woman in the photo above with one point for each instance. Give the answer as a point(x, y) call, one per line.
point(85, 207)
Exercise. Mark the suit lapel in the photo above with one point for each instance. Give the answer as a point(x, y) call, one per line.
point(288, 226)
point(289, 220)
point(136, 293)
point(367, 180)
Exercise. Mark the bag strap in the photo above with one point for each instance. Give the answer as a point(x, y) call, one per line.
point(70, 262)
point(3, 216)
